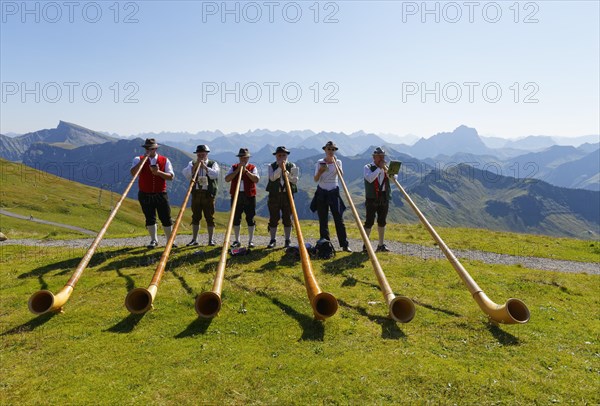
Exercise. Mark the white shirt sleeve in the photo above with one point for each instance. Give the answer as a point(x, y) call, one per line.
point(135, 161)
point(293, 178)
point(255, 172)
point(169, 168)
point(317, 167)
point(274, 174)
point(187, 171)
point(213, 172)
point(230, 171)
point(370, 176)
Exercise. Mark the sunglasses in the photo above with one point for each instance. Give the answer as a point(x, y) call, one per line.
point(151, 149)
point(330, 149)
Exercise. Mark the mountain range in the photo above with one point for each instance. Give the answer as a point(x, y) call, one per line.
point(506, 194)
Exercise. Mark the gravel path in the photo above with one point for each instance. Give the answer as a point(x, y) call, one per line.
point(51, 223)
point(396, 247)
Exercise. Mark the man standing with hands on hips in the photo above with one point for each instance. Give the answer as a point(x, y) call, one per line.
point(152, 193)
point(203, 193)
point(247, 196)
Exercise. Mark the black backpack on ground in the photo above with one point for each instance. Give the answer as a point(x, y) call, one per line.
point(324, 249)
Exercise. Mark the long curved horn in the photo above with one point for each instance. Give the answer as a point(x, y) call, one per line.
point(43, 301)
point(514, 311)
point(208, 304)
point(401, 308)
point(139, 300)
point(324, 304)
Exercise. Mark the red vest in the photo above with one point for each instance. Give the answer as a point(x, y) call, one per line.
point(148, 183)
point(249, 186)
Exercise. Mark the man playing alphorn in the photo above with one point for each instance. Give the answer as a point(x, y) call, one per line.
point(203, 193)
point(152, 193)
point(278, 201)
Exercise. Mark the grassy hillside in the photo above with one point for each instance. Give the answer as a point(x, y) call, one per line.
point(29, 192)
point(265, 347)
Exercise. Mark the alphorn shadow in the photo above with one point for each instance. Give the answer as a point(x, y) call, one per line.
point(127, 324)
point(129, 283)
point(389, 327)
point(198, 326)
point(312, 329)
point(339, 265)
point(30, 325)
point(136, 258)
point(67, 266)
point(437, 309)
point(502, 336)
point(183, 282)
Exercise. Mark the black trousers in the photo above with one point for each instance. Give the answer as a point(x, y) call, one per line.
point(247, 205)
point(153, 203)
point(378, 206)
point(279, 203)
point(330, 200)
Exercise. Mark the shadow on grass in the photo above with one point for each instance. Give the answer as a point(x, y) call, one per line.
point(183, 282)
point(127, 324)
point(198, 326)
point(68, 266)
point(340, 264)
point(389, 327)
point(312, 330)
point(254, 255)
point(136, 258)
point(30, 325)
point(502, 336)
point(437, 309)
point(129, 283)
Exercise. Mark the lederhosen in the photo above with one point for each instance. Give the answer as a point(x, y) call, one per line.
point(246, 202)
point(203, 201)
point(278, 201)
point(377, 200)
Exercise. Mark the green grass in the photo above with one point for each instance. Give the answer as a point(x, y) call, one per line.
point(265, 347)
point(27, 191)
point(16, 228)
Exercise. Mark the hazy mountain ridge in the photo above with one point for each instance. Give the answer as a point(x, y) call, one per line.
point(465, 195)
point(67, 135)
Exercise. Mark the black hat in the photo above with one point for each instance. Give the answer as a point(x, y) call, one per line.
point(202, 148)
point(243, 152)
point(330, 144)
point(281, 149)
point(379, 151)
point(150, 143)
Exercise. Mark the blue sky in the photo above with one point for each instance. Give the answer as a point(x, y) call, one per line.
point(506, 68)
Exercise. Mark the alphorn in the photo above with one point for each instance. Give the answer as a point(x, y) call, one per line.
point(324, 304)
point(139, 300)
point(208, 304)
point(401, 308)
point(514, 311)
point(44, 301)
